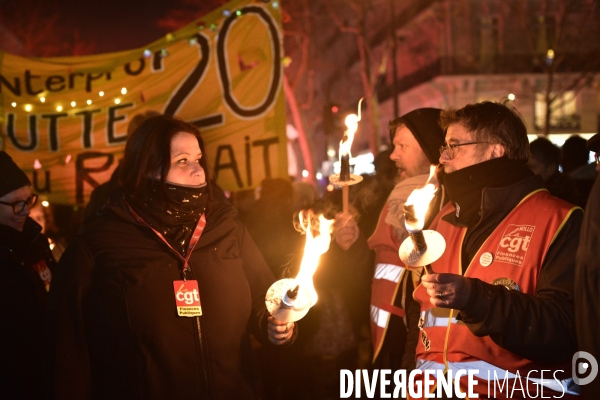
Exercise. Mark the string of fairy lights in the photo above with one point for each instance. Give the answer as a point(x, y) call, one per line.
point(28, 107)
point(46, 102)
point(60, 105)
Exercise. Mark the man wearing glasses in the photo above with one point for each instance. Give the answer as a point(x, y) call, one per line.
point(26, 265)
point(500, 299)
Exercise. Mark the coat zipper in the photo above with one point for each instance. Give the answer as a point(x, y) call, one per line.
point(207, 388)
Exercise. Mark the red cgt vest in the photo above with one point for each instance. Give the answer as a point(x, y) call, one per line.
point(511, 256)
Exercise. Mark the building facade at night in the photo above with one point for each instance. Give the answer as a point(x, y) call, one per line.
point(446, 53)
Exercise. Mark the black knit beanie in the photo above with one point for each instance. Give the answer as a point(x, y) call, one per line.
point(424, 125)
point(11, 176)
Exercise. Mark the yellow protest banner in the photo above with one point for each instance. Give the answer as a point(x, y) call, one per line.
point(64, 120)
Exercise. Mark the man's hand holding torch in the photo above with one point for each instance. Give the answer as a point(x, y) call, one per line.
point(447, 290)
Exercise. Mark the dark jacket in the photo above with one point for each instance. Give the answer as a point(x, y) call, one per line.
point(23, 298)
point(116, 330)
point(587, 283)
point(540, 328)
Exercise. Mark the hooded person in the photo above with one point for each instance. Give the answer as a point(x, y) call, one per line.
point(26, 267)
point(416, 138)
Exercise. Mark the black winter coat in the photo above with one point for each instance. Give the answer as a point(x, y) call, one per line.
point(23, 298)
point(115, 327)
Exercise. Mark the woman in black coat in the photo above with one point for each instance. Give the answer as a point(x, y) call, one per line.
point(158, 295)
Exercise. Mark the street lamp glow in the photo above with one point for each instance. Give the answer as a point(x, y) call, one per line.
point(101, 93)
point(59, 108)
point(73, 104)
point(124, 91)
point(42, 99)
point(89, 102)
point(117, 101)
point(28, 107)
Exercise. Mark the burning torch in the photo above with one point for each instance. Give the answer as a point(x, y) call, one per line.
point(345, 178)
point(288, 300)
point(421, 247)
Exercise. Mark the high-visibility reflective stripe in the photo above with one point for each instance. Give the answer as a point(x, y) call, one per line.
point(389, 272)
point(490, 372)
point(379, 317)
point(430, 320)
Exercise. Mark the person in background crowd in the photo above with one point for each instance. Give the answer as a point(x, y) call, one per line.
point(416, 137)
point(304, 195)
point(26, 268)
point(156, 299)
point(370, 196)
point(44, 217)
point(101, 194)
point(587, 277)
point(575, 158)
point(544, 161)
point(336, 327)
point(270, 222)
point(500, 298)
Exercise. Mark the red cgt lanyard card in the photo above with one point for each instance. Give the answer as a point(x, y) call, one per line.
point(187, 294)
point(187, 298)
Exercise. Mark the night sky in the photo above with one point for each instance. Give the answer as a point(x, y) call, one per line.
point(103, 25)
point(115, 25)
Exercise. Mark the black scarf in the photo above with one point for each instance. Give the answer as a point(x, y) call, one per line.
point(173, 210)
point(465, 186)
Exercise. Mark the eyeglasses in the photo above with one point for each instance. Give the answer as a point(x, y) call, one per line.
point(450, 148)
point(19, 206)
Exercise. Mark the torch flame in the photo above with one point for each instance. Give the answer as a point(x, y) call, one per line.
point(351, 122)
point(351, 128)
point(420, 199)
point(318, 237)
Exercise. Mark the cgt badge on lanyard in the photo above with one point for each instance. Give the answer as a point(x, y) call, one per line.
point(187, 298)
point(44, 272)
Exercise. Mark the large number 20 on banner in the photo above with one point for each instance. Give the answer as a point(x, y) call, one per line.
point(64, 120)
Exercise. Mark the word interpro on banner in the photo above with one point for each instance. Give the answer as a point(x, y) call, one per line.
point(434, 384)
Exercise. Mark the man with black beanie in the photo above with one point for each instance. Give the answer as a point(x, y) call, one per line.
point(26, 266)
point(416, 138)
point(500, 302)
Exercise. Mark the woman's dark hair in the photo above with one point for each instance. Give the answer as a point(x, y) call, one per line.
point(148, 151)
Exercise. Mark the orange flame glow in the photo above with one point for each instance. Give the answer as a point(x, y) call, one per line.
point(420, 199)
point(318, 237)
point(351, 122)
point(351, 128)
